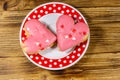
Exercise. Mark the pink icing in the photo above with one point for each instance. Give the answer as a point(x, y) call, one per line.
point(30, 44)
point(39, 36)
point(68, 33)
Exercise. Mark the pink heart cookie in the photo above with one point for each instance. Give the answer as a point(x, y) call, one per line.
point(70, 34)
point(38, 36)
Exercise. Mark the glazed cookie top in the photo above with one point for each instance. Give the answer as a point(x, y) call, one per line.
point(69, 32)
point(38, 36)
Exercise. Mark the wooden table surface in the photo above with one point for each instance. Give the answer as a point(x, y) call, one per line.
point(101, 61)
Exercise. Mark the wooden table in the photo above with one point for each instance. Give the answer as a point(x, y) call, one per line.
point(101, 61)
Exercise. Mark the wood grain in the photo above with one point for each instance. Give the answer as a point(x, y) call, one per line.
point(101, 61)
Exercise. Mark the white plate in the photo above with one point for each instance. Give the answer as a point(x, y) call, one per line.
point(52, 58)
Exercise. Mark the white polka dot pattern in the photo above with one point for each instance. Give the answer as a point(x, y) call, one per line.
point(59, 8)
point(80, 17)
point(79, 49)
point(70, 61)
point(60, 65)
point(83, 46)
point(70, 15)
point(68, 57)
point(38, 16)
point(74, 51)
point(42, 58)
point(78, 54)
point(64, 61)
point(23, 38)
point(62, 12)
point(55, 63)
point(54, 5)
point(67, 11)
point(34, 16)
point(29, 18)
point(50, 8)
point(46, 12)
point(73, 56)
point(51, 60)
point(37, 58)
point(73, 11)
point(50, 65)
point(45, 62)
point(64, 6)
point(41, 11)
point(54, 11)
point(75, 16)
point(44, 7)
point(31, 56)
point(59, 60)
point(35, 11)
point(40, 63)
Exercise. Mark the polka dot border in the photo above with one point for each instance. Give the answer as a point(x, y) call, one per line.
point(73, 56)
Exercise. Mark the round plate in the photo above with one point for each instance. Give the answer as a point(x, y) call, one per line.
point(52, 58)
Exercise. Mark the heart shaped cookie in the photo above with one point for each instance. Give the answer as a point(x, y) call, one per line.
point(70, 34)
point(38, 36)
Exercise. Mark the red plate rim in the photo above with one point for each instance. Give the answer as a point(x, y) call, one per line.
point(56, 68)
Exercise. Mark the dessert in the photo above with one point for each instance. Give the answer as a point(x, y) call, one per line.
point(70, 34)
point(39, 37)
